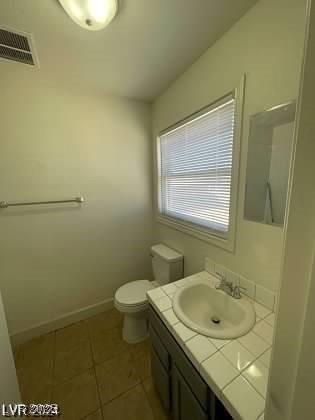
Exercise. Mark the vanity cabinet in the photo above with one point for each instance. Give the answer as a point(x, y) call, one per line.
point(182, 391)
point(185, 404)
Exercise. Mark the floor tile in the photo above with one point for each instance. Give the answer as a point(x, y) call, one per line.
point(95, 416)
point(36, 381)
point(78, 397)
point(244, 399)
point(257, 376)
point(108, 345)
point(199, 349)
point(255, 344)
point(154, 400)
point(140, 348)
point(116, 376)
point(72, 362)
point(141, 354)
point(238, 355)
point(69, 337)
point(132, 405)
point(218, 372)
point(264, 330)
point(35, 351)
point(100, 324)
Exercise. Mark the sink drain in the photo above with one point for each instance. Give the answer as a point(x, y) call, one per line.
point(215, 320)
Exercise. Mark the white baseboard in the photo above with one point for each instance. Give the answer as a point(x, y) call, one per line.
point(60, 322)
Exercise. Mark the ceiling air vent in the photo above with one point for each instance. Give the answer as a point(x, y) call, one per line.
point(17, 46)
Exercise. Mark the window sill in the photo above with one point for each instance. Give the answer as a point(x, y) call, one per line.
point(203, 235)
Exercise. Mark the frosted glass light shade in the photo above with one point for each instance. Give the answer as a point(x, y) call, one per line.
point(93, 15)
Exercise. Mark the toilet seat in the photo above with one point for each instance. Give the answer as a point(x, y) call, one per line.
point(133, 295)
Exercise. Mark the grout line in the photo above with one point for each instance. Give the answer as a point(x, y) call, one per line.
point(94, 371)
point(94, 412)
point(121, 394)
point(229, 383)
point(148, 400)
point(78, 345)
point(91, 369)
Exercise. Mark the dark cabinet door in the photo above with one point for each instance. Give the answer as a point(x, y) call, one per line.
point(162, 380)
point(184, 403)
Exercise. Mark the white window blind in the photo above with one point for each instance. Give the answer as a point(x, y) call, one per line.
point(195, 169)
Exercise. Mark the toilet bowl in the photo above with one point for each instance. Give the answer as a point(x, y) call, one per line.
point(131, 300)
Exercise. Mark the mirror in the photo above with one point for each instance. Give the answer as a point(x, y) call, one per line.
point(268, 163)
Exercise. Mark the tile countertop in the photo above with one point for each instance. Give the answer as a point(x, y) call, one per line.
point(236, 370)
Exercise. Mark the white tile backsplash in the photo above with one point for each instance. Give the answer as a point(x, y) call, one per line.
point(220, 271)
point(249, 286)
point(254, 291)
point(204, 275)
point(209, 265)
point(232, 277)
point(265, 297)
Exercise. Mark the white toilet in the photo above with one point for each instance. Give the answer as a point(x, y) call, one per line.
point(131, 300)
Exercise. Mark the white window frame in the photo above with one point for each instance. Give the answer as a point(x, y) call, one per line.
point(199, 232)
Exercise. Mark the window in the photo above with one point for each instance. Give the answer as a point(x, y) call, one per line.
point(195, 169)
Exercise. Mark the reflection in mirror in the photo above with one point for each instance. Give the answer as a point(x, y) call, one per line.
point(268, 163)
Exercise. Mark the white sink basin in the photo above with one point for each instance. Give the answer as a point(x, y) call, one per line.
point(212, 312)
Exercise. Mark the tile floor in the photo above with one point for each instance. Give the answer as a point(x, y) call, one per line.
point(90, 372)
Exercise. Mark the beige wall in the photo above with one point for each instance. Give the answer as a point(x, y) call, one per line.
point(292, 376)
point(56, 143)
point(266, 44)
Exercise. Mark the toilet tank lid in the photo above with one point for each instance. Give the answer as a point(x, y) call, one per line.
point(166, 253)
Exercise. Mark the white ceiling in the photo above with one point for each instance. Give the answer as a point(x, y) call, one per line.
point(145, 48)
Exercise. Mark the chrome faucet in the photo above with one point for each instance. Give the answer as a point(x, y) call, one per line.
point(229, 288)
point(226, 286)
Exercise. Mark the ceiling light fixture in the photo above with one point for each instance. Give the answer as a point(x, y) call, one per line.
point(91, 14)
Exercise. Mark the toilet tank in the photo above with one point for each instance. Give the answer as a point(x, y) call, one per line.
point(167, 264)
